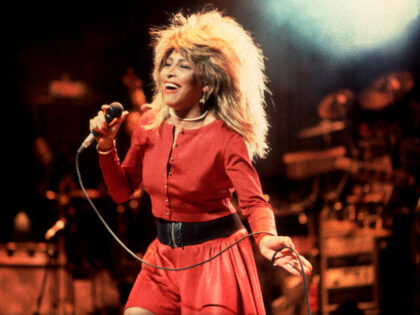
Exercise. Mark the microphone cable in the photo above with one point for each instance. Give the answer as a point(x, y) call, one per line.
point(129, 251)
point(305, 286)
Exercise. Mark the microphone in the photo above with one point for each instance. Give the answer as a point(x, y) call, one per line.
point(113, 113)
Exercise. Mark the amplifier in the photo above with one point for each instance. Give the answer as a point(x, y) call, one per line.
point(349, 277)
point(349, 270)
point(31, 280)
point(348, 245)
point(25, 254)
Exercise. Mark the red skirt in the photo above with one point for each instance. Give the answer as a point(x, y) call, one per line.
point(228, 284)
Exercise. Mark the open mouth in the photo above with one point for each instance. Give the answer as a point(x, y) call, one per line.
point(169, 86)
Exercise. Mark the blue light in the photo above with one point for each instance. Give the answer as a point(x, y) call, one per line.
point(346, 27)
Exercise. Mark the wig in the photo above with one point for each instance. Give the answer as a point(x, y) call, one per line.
point(228, 61)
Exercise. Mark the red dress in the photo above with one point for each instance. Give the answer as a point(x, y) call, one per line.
point(193, 181)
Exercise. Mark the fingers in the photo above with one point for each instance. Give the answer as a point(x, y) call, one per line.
point(293, 266)
point(289, 264)
point(289, 261)
point(284, 241)
point(275, 242)
point(288, 242)
point(307, 267)
point(292, 269)
point(124, 115)
point(117, 122)
point(305, 263)
point(99, 124)
point(287, 258)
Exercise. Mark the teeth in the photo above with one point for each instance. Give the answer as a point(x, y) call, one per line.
point(171, 85)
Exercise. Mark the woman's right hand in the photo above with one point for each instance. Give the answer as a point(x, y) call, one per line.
point(106, 132)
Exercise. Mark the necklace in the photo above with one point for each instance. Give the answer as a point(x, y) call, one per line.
point(172, 113)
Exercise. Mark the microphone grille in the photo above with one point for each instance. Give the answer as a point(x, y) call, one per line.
point(115, 110)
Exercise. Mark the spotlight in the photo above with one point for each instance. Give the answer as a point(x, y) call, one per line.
point(343, 27)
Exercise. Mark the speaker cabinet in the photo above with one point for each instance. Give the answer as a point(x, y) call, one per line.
point(349, 268)
point(33, 280)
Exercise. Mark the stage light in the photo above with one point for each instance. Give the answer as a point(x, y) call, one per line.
point(345, 27)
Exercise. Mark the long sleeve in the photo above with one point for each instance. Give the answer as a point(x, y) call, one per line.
point(246, 182)
point(122, 179)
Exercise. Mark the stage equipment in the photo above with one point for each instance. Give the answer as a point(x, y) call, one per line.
point(336, 105)
point(34, 279)
point(349, 265)
point(310, 163)
point(324, 127)
point(386, 90)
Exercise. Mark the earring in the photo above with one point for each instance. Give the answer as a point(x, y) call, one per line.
point(203, 99)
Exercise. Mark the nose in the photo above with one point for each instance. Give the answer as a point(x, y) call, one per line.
point(170, 72)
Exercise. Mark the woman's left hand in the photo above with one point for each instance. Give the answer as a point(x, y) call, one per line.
point(286, 258)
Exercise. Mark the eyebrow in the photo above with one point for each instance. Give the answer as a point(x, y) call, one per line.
point(179, 60)
point(182, 59)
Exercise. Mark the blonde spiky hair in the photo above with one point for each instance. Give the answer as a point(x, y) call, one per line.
point(228, 61)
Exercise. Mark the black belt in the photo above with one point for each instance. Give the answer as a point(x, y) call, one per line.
point(180, 234)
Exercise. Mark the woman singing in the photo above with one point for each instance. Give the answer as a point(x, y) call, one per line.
point(192, 151)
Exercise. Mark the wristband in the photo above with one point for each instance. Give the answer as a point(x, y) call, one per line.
point(107, 151)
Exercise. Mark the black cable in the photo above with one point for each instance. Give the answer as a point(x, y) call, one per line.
point(188, 267)
point(133, 254)
point(301, 271)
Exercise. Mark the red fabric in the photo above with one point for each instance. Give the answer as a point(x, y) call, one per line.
point(191, 182)
point(205, 167)
point(226, 285)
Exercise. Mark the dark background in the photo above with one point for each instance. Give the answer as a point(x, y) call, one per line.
point(96, 43)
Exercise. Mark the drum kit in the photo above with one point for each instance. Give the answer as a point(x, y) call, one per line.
point(367, 164)
point(356, 176)
point(381, 93)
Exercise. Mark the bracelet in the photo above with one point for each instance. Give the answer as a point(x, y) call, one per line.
point(105, 152)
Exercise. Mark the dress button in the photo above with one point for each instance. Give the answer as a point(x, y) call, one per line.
point(176, 144)
point(170, 174)
point(167, 201)
point(167, 213)
point(172, 159)
point(182, 130)
point(166, 186)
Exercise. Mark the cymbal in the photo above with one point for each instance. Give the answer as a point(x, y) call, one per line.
point(336, 105)
point(386, 90)
point(324, 127)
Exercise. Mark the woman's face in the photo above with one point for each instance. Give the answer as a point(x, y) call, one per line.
point(180, 87)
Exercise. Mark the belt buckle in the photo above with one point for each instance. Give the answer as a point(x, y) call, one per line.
point(176, 234)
